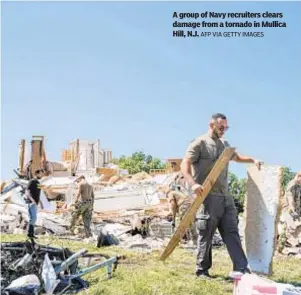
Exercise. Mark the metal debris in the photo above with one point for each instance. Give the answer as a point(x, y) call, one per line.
point(24, 264)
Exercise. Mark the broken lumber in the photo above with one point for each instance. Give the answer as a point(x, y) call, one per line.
point(3, 184)
point(219, 166)
point(262, 213)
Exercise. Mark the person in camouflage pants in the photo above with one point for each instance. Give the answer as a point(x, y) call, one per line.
point(180, 200)
point(191, 233)
point(291, 213)
point(83, 206)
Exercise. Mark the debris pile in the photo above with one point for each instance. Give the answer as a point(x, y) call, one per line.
point(14, 214)
point(137, 206)
point(29, 268)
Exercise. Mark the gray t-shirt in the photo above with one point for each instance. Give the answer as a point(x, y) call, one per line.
point(203, 152)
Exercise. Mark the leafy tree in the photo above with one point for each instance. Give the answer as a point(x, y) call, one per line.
point(148, 159)
point(237, 188)
point(288, 175)
point(115, 160)
point(139, 162)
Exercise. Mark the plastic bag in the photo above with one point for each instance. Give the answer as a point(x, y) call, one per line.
point(26, 285)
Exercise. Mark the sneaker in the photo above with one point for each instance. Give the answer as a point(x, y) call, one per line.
point(203, 274)
point(246, 270)
point(238, 273)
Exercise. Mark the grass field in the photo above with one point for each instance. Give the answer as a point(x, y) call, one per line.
point(144, 274)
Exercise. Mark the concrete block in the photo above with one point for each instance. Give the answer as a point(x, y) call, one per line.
point(262, 212)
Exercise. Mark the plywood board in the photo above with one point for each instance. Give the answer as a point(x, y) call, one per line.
point(106, 171)
point(191, 212)
point(262, 210)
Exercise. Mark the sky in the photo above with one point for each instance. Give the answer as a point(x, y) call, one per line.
point(112, 71)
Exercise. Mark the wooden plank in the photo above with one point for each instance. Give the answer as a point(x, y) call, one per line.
point(219, 166)
point(106, 171)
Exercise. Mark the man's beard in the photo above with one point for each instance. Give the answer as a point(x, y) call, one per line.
point(215, 132)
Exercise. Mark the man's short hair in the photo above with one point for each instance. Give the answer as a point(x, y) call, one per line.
point(38, 171)
point(80, 178)
point(218, 116)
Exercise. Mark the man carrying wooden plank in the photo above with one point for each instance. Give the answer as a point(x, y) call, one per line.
point(218, 209)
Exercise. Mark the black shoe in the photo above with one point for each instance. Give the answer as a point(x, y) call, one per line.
point(203, 274)
point(31, 232)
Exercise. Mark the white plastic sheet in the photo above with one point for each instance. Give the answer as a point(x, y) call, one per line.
point(49, 276)
point(26, 285)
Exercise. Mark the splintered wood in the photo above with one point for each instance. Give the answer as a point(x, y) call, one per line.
point(262, 210)
point(191, 212)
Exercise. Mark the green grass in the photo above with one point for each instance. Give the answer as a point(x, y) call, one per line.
point(144, 274)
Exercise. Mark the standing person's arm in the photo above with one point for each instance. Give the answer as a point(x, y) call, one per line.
point(78, 193)
point(192, 155)
point(29, 197)
point(28, 194)
point(41, 203)
point(92, 195)
point(186, 171)
point(246, 159)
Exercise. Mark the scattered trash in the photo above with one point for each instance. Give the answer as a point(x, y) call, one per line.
point(106, 239)
point(24, 265)
point(49, 276)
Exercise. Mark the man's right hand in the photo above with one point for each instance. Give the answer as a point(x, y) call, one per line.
point(31, 200)
point(258, 164)
point(197, 189)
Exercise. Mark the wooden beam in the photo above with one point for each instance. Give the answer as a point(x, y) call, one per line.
point(2, 186)
point(188, 218)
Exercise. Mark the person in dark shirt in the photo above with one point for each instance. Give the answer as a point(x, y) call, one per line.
point(33, 196)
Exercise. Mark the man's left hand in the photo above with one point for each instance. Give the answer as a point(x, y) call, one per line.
point(258, 164)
